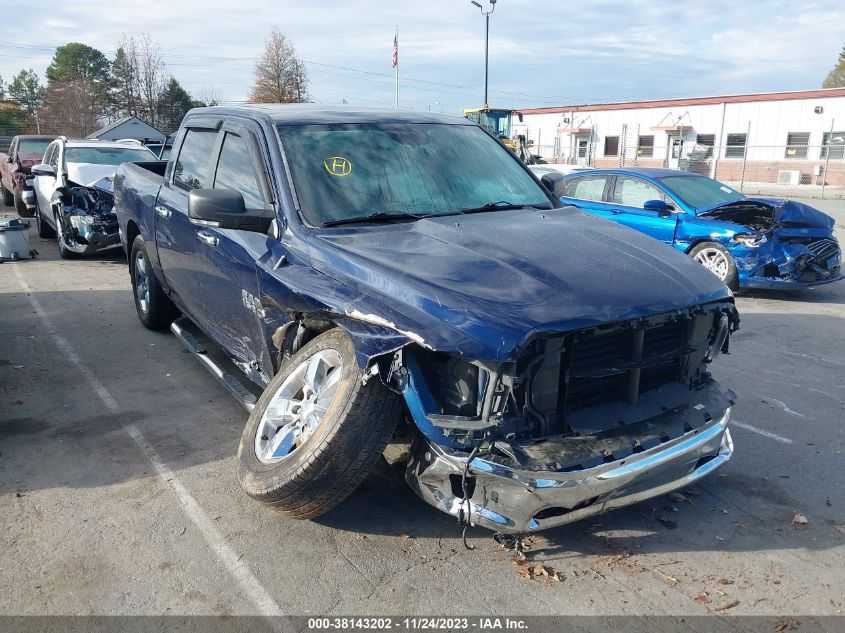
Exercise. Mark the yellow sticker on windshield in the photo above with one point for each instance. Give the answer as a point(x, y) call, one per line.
point(338, 166)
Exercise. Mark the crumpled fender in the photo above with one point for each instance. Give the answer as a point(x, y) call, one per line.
point(371, 340)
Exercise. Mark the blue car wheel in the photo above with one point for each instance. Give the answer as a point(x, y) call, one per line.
point(716, 258)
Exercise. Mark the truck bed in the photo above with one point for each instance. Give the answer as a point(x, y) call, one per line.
point(136, 188)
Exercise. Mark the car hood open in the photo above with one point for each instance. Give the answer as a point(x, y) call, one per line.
point(482, 284)
point(783, 212)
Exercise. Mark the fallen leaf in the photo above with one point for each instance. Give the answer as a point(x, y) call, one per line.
point(669, 523)
point(785, 624)
point(525, 575)
point(726, 581)
point(702, 598)
point(840, 527)
point(727, 605)
point(720, 538)
point(403, 535)
point(679, 498)
point(538, 570)
point(693, 493)
point(799, 521)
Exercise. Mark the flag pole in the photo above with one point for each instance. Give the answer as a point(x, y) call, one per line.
point(397, 66)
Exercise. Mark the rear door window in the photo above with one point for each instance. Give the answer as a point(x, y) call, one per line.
point(634, 192)
point(192, 166)
point(587, 188)
point(237, 170)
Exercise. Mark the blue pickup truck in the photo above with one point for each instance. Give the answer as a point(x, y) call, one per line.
point(360, 278)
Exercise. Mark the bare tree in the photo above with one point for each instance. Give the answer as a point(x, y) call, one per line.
point(209, 96)
point(70, 108)
point(139, 78)
point(280, 77)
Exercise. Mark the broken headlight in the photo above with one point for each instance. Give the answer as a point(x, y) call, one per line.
point(717, 343)
point(750, 239)
point(455, 384)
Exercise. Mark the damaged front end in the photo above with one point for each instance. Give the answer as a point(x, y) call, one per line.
point(783, 243)
point(576, 424)
point(86, 219)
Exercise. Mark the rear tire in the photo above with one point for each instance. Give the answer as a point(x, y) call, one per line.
point(718, 260)
point(155, 309)
point(329, 457)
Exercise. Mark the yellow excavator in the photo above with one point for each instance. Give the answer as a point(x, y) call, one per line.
point(497, 121)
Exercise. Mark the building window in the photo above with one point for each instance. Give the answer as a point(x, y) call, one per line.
point(708, 141)
point(735, 146)
point(646, 146)
point(837, 147)
point(796, 144)
point(611, 145)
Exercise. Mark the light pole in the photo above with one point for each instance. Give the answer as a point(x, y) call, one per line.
point(486, 15)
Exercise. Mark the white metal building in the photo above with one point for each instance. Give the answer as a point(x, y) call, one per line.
point(769, 137)
point(129, 127)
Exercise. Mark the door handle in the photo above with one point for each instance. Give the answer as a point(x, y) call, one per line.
point(163, 212)
point(207, 238)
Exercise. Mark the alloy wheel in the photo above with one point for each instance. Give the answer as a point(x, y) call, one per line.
point(299, 406)
point(713, 260)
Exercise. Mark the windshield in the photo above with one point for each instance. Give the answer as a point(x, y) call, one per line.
point(33, 146)
point(348, 172)
point(107, 155)
point(699, 192)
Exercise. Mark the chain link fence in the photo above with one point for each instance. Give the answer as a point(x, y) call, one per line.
point(797, 169)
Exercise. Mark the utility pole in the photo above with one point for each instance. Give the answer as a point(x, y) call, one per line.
point(486, 15)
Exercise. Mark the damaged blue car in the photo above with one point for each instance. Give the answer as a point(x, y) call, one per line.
point(746, 242)
point(372, 305)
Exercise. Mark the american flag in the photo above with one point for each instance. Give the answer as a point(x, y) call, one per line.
point(396, 50)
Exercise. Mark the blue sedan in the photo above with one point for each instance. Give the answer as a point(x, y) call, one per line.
point(746, 242)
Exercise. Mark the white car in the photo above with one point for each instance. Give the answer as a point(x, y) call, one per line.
point(546, 168)
point(73, 192)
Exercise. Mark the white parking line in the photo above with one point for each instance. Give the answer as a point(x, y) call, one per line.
point(754, 429)
point(256, 592)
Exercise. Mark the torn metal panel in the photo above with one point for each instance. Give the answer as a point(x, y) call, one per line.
point(85, 216)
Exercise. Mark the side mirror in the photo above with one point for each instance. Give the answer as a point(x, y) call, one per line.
point(225, 209)
point(659, 206)
point(43, 170)
point(554, 181)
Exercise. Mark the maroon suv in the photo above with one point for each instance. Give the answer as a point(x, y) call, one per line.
point(25, 151)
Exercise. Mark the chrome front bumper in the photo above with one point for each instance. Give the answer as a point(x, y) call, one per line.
point(511, 500)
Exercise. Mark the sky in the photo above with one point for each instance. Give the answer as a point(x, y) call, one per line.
point(542, 52)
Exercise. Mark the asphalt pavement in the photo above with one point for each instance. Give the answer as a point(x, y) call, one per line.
point(118, 492)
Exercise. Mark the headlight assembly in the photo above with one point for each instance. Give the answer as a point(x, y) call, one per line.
point(750, 239)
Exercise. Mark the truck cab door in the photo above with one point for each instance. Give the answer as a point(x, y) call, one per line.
point(179, 249)
point(230, 258)
point(627, 198)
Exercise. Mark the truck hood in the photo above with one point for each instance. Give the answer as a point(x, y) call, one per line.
point(783, 212)
point(86, 174)
point(481, 284)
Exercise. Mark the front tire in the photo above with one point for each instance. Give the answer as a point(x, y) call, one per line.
point(64, 251)
point(44, 229)
point(716, 258)
point(317, 430)
point(155, 309)
point(6, 195)
point(20, 206)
